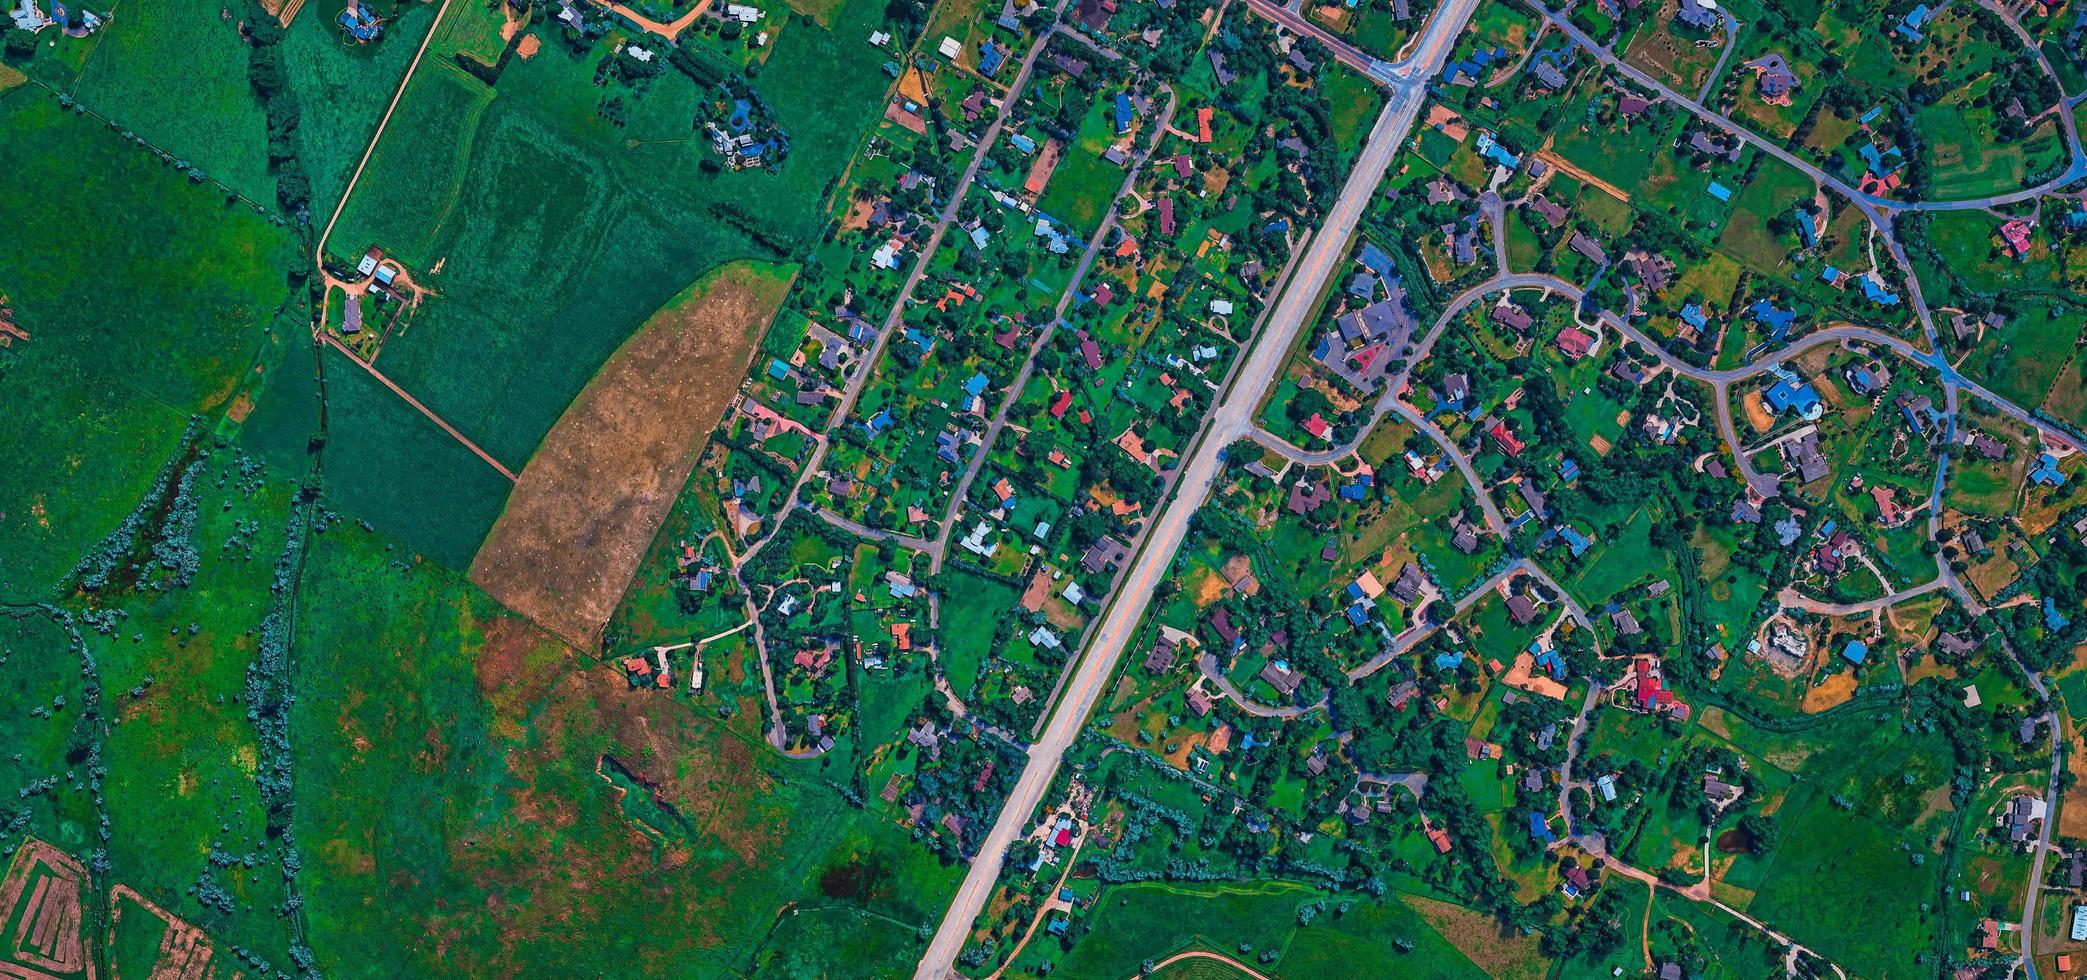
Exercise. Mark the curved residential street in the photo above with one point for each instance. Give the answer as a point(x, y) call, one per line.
point(1267, 353)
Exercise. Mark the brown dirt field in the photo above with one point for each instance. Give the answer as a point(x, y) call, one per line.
point(1499, 952)
point(590, 501)
point(2072, 810)
point(528, 48)
point(1205, 587)
point(1993, 575)
point(1757, 412)
point(1832, 692)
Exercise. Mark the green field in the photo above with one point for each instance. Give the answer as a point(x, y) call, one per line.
point(1143, 922)
point(410, 185)
point(111, 261)
point(174, 72)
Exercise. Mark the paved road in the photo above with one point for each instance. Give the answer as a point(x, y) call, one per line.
point(1341, 50)
point(1230, 419)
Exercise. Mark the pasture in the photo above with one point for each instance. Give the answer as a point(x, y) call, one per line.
point(112, 262)
point(175, 73)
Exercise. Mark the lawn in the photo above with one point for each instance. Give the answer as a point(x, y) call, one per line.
point(146, 298)
point(1776, 188)
point(1149, 920)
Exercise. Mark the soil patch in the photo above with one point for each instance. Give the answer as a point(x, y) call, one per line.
point(1832, 692)
point(1735, 841)
point(528, 48)
point(590, 501)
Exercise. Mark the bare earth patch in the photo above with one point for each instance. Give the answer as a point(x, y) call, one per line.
point(1832, 692)
point(590, 501)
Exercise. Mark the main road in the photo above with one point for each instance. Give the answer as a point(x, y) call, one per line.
point(1231, 419)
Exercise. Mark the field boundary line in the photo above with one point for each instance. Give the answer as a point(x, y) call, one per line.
point(335, 343)
point(319, 250)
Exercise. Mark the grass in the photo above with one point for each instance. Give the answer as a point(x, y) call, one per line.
point(1149, 920)
point(344, 89)
point(409, 187)
point(1776, 188)
point(1838, 879)
point(174, 72)
point(516, 843)
point(112, 261)
point(385, 461)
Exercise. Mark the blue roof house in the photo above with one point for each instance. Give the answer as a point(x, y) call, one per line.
point(1856, 651)
point(2046, 471)
point(1910, 28)
point(1125, 113)
point(1789, 394)
point(1807, 227)
point(1693, 315)
point(1575, 542)
point(1540, 829)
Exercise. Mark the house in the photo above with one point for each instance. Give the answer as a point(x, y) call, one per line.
point(1306, 496)
point(1695, 15)
point(1540, 829)
point(1631, 106)
point(1606, 783)
point(1106, 552)
point(1915, 21)
point(1509, 315)
point(1726, 148)
point(1506, 440)
point(1655, 271)
point(2046, 471)
point(2015, 234)
point(1586, 247)
point(1855, 652)
point(1986, 446)
point(1161, 659)
point(1533, 497)
point(1199, 702)
point(1521, 610)
point(1576, 882)
point(1126, 113)
point(1576, 343)
point(2079, 927)
point(1407, 587)
point(1625, 623)
point(1280, 676)
point(1793, 394)
point(1955, 644)
point(1465, 539)
point(1773, 78)
point(1549, 75)
point(1553, 213)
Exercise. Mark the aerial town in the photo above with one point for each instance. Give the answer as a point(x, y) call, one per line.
point(1187, 489)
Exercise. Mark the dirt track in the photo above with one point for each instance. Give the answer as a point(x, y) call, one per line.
point(590, 501)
